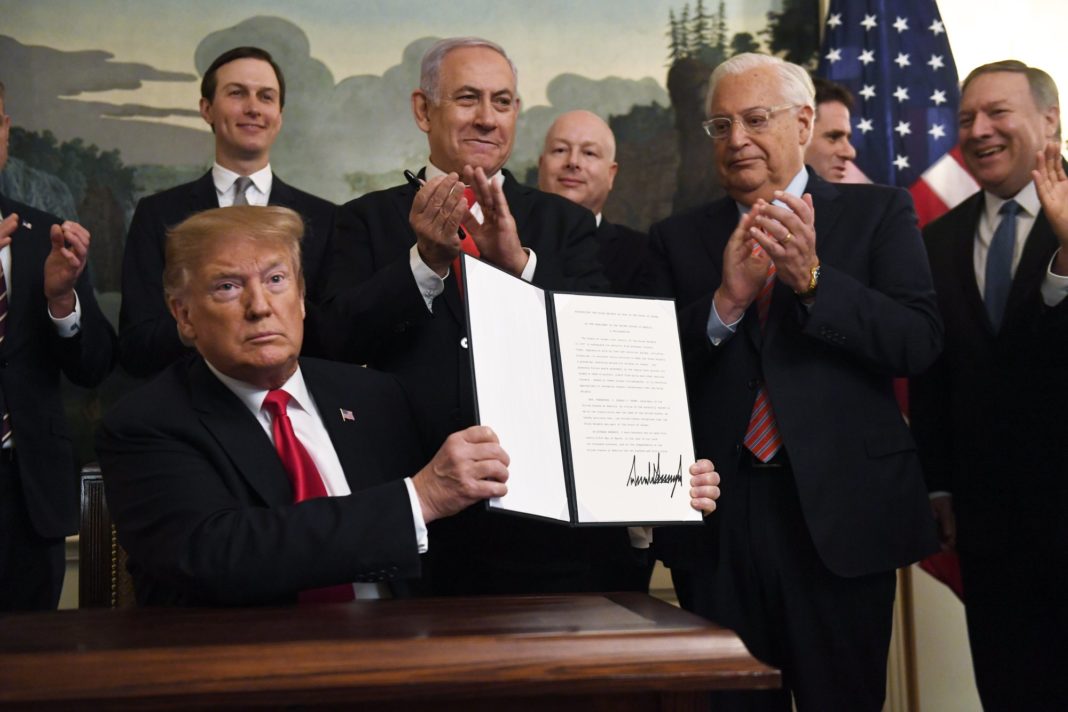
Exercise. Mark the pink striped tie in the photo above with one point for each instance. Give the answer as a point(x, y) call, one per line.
point(762, 437)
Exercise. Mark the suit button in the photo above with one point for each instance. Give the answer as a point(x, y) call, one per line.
point(401, 327)
point(3, 363)
point(753, 384)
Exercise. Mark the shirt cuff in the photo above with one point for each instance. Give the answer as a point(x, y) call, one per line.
point(429, 283)
point(422, 539)
point(717, 331)
point(1054, 286)
point(640, 537)
point(532, 262)
point(70, 325)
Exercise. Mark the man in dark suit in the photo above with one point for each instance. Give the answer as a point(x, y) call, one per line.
point(989, 415)
point(247, 475)
point(578, 162)
point(393, 299)
point(830, 152)
point(242, 93)
point(49, 324)
point(798, 303)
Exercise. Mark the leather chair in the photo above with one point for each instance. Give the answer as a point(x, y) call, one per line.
point(103, 581)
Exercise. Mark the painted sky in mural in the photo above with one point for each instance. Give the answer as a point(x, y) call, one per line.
point(90, 72)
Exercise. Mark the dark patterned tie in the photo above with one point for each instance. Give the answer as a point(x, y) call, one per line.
point(307, 483)
point(999, 264)
point(241, 185)
point(762, 436)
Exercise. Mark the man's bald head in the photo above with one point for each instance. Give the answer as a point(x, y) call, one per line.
point(578, 160)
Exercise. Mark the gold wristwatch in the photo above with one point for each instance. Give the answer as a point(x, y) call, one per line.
point(813, 283)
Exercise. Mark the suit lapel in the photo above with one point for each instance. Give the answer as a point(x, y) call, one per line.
point(963, 258)
point(334, 403)
point(203, 196)
point(239, 434)
point(1040, 245)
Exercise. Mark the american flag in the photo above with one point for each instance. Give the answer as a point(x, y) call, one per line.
point(894, 56)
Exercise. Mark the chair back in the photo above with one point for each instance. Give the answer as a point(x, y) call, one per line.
point(103, 581)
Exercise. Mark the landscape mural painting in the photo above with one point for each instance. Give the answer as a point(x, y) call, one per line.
point(103, 97)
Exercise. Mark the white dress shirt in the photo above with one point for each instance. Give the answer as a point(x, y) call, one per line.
point(1054, 286)
point(259, 193)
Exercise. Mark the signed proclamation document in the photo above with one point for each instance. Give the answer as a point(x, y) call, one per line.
point(587, 396)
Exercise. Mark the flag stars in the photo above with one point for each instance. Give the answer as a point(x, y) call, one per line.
point(869, 22)
point(903, 128)
point(902, 60)
point(901, 24)
point(939, 97)
point(937, 131)
point(937, 27)
point(868, 92)
point(901, 94)
point(901, 162)
point(834, 20)
point(864, 126)
point(835, 55)
point(867, 57)
point(936, 62)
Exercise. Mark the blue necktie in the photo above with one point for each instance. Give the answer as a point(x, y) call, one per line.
point(999, 264)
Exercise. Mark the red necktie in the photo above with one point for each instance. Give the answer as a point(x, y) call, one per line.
point(467, 244)
point(307, 483)
point(762, 437)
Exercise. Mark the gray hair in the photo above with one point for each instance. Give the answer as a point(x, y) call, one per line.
point(430, 70)
point(796, 84)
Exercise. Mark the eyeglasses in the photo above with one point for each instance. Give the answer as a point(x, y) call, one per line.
point(753, 121)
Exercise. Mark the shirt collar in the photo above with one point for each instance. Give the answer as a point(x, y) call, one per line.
point(433, 171)
point(1027, 198)
point(796, 188)
point(224, 178)
point(252, 396)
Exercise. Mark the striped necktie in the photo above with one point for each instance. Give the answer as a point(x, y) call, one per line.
point(762, 436)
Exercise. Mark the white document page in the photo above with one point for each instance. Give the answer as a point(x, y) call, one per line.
point(629, 425)
point(514, 382)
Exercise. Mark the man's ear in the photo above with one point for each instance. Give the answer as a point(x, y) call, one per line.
point(180, 312)
point(205, 113)
point(421, 110)
point(1052, 115)
point(804, 119)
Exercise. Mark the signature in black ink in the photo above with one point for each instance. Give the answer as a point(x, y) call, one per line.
point(653, 475)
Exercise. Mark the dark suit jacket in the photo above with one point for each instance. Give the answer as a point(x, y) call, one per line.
point(205, 509)
point(989, 415)
point(148, 335)
point(374, 314)
point(828, 372)
point(31, 359)
point(623, 253)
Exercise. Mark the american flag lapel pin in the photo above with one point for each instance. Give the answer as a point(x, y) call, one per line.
point(347, 415)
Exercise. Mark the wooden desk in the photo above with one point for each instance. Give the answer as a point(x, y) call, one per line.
point(615, 652)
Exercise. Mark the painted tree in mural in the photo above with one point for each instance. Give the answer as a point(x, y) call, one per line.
point(101, 192)
point(794, 32)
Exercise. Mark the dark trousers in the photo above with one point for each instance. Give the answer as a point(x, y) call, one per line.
point(828, 634)
point(31, 566)
point(1017, 612)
